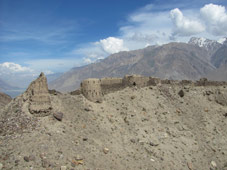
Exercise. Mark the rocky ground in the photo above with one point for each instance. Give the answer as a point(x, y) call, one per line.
point(158, 127)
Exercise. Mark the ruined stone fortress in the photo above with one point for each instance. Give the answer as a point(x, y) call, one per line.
point(37, 95)
point(94, 89)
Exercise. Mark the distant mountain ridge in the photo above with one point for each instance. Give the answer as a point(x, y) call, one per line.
point(9, 89)
point(51, 77)
point(5, 86)
point(191, 60)
point(219, 58)
point(198, 58)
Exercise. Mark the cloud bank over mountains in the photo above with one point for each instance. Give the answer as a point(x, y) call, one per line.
point(149, 27)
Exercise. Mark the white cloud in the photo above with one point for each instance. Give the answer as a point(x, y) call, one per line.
point(10, 67)
point(87, 60)
point(184, 26)
point(99, 50)
point(48, 72)
point(90, 53)
point(145, 26)
point(16, 74)
point(215, 17)
point(21, 76)
point(112, 45)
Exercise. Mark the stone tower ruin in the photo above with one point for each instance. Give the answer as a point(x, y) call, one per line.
point(91, 89)
point(38, 96)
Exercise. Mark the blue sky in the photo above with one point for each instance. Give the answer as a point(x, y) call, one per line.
point(56, 35)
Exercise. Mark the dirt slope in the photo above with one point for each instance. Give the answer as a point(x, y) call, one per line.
point(149, 128)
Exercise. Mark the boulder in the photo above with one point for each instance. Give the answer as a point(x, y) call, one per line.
point(58, 115)
point(221, 98)
point(181, 93)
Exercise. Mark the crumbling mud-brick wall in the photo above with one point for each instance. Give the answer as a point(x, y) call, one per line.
point(165, 81)
point(76, 92)
point(38, 95)
point(135, 80)
point(95, 89)
point(186, 82)
point(153, 81)
point(172, 82)
point(201, 82)
point(91, 89)
point(206, 82)
point(109, 85)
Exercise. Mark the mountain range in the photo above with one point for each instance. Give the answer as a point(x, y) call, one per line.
point(5, 86)
point(9, 89)
point(198, 58)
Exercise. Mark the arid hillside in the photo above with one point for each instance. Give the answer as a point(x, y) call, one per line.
point(165, 126)
point(4, 99)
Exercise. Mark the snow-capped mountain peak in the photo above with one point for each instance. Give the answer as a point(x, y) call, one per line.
point(222, 40)
point(210, 46)
point(202, 42)
point(205, 43)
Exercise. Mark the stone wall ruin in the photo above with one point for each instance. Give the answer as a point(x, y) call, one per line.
point(111, 84)
point(94, 89)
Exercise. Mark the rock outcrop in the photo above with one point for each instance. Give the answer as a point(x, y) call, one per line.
point(38, 96)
